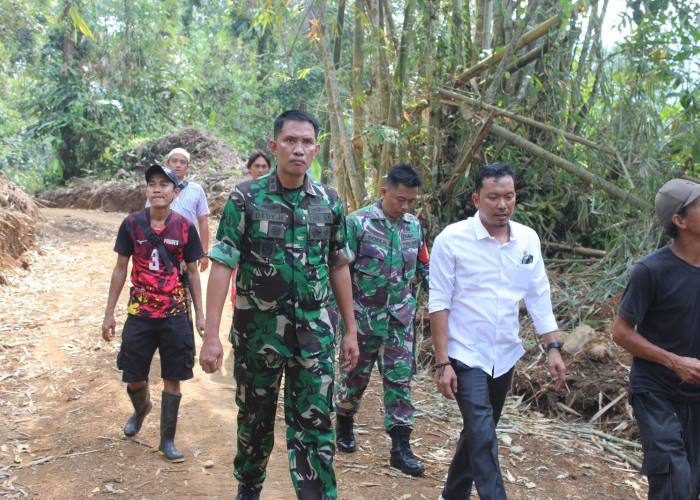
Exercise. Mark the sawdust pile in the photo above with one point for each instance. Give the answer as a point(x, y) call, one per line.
point(215, 165)
point(18, 215)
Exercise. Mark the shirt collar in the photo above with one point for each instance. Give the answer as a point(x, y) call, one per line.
point(378, 213)
point(482, 233)
point(274, 185)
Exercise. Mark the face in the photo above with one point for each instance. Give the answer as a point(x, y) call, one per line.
point(496, 202)
point(179, 164)
point(160, 191)
point(295, 148)
point(690, 222)
point(398, 201)
point(258, 168)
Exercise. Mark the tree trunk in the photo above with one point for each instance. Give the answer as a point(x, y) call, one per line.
point(358, 97)
point(355, 195)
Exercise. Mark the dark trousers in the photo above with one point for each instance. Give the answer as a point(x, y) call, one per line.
point(670, 434)
point(480, 398)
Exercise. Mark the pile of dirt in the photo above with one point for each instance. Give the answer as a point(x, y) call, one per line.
point(215, 165)
point(18, 215)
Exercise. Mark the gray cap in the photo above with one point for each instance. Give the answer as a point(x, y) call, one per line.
point(674, 195)
point(160, 169)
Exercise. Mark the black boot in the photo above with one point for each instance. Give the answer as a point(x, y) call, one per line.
point(344, 437)
point(141, 400)
point(401, 455)
point(248, 492)
point(168, 422)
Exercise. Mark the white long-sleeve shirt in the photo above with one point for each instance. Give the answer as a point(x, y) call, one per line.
point(481, 282)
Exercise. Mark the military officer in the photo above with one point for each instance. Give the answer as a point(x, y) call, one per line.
point(387, 249)
point(288, 236)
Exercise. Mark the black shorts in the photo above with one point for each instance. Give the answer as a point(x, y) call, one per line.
point(174, 340)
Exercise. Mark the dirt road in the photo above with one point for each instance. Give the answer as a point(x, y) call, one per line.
point(62, 407)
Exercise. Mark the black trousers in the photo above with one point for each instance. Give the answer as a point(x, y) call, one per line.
point(480, 398)
point(670, 434)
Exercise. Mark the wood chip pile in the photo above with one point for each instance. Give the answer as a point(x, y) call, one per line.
point(18, 215)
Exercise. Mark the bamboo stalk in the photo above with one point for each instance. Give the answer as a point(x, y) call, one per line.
point(570, 167)
point(527, 38)
point(589, 252)
point(524, 119)
point(463, 165)
point(605, 408)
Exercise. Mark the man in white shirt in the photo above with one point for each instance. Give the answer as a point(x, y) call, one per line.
point(191, 202)
point(481, 268)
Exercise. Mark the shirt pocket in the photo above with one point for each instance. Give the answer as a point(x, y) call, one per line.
point(369, 260)
point(523, 275)
point(269, 248)
point(318, 236)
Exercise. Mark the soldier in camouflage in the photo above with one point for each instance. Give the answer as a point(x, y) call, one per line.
point(387, 249)
point(288, 236)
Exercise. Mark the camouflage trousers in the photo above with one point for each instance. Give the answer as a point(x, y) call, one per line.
point(307, 404)
point(394, 357)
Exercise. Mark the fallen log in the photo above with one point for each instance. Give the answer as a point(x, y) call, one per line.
point(588, 252)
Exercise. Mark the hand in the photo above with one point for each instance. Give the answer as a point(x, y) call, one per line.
point(108, 326)
point(349, 352)
point(203, 264)
point(556, 368)
point(688, 369)
point(200, 326)
point(447, 381)
point(211, 355)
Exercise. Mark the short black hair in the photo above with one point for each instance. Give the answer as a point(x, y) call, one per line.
point(294, 115)
point(402, 173)
point(255, 155)
point(496, 170)
point(671, 229)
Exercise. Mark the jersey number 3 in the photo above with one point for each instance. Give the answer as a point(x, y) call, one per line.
point(154, 263)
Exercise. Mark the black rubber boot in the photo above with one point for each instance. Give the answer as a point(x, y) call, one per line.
point(141, 400)
point(344, 437)
point(401, 455)
point(168, 423)
point(248, 492)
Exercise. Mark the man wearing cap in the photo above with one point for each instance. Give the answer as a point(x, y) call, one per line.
point(191, 202)
point(658, 322)
point(157, 240)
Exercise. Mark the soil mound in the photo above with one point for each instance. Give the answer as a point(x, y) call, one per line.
point(18, 215)
point(215, 165)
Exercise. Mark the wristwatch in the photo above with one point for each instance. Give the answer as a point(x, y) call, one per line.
point(554, 345)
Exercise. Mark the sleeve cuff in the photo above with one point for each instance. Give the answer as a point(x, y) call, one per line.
point(225, 254)
point(546, 325)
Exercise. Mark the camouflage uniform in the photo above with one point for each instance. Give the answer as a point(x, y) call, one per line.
point(385, 257)
point(285, 242)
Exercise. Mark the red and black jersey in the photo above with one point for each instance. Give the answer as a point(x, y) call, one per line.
point(155, 292)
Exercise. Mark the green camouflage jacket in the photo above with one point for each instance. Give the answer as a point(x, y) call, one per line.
point(285, 242)
point(385, 257)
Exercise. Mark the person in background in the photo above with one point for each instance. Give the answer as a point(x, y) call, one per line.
point(157, 313)
point(387, 249)
point(480, 270)
point(658, 322)
point(289, 235)
point(258, 164)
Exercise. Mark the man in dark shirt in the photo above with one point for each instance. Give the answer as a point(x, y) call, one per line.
point(658, 322)
point(157, 313)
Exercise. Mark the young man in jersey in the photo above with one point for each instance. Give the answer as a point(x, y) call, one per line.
point(157, 314)
point(191, 201)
